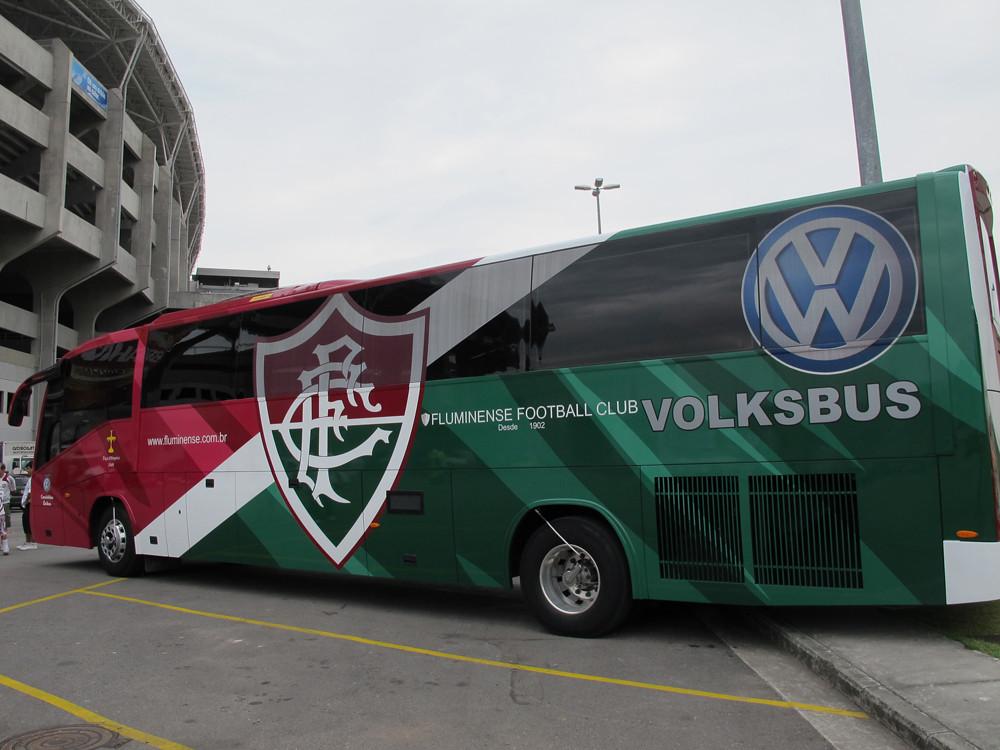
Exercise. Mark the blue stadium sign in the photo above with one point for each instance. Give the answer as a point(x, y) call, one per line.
point(89, 85)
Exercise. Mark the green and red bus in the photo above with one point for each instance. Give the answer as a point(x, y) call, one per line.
point(790, 404)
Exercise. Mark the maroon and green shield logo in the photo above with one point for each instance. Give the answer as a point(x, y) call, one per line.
point(338, 399)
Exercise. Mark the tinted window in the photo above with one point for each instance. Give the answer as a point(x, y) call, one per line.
point(191, 364)
point(401, 297)
point(496, 347)
point(264, 324)
point(491, 300)
point(92, 388)
point(49, 431)
point(101, 379)
point(642, 298)
point(485, 311)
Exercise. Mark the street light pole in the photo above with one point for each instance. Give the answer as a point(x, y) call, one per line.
point(869, 163)
point(595, 190)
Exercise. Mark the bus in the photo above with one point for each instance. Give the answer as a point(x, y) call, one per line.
point(793, 404)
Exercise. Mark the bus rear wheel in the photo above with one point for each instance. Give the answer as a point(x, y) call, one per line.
point(115, 544)
point(576, 581)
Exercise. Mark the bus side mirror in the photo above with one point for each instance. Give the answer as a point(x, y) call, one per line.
point(19, 406)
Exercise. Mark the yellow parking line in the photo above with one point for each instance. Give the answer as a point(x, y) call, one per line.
point(90, 716)
point(12, 607)
point(489, 662)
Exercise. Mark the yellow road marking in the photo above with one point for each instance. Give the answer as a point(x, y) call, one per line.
point(90, 716)
point(72, 708)
point(12, 607)
point(488, 662)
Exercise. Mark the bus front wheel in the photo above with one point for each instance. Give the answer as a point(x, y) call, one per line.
point(575, 578)
point(115, 544)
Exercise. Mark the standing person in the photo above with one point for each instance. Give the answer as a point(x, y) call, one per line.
point(26, 513)
point(4, 545)
point(7, 487)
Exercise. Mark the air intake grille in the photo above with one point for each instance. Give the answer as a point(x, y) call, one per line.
point(805, 530)
point(698, 528)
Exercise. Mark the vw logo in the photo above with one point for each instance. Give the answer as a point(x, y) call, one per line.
point(830, 289)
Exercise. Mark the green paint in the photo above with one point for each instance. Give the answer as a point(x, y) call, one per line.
point(604, 438)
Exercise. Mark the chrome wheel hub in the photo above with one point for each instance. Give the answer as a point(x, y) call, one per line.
point(570, 579)
point(113, 541)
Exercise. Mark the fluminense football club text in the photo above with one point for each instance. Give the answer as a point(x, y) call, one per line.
point(785, 407)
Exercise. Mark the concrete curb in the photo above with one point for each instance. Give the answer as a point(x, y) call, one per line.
point(907, 721)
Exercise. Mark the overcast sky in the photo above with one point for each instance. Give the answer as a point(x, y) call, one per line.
point(352, 138)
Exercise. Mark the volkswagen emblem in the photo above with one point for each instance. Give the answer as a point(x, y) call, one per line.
point(830, 289)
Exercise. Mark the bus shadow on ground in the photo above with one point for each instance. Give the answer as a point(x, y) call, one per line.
point(457, 604)
point(467, 605)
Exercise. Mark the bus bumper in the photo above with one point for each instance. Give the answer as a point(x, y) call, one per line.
point(971, 571)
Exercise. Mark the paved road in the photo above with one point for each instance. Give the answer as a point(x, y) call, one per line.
point(229, 657)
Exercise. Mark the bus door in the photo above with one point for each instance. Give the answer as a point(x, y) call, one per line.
point(196, 509)
point(188, 439)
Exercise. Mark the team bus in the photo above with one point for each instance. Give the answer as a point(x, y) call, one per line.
point(790, 404)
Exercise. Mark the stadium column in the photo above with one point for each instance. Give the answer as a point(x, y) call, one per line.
point(163, 212)
point(145, 185)
point(120, 301)
point(109, 200)
point(52, 186)
point(137, 305)
point(82, 267)
point(120, 275)
point(179, 276)
point(52, 168)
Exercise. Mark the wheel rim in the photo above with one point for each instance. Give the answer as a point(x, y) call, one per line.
point(570, 579)
point(114, 541)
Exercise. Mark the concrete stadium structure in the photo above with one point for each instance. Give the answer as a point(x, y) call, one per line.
point(101, 181)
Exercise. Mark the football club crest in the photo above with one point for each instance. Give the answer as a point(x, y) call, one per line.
point(338, 399)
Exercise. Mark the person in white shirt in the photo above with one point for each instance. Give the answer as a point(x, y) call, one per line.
point(4, 544)
point(7, 487)
point(26, 514)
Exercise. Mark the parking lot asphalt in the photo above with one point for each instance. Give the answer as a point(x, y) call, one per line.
point(219, 656)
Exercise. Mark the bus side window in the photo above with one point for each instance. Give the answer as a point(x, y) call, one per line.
point(392, 300)
point(191, 364)
point(264, 324)
point(96, 387)
point(401, 297)
point(647, 297)
point(49, 429)
point(52, 445)
point(490, 322)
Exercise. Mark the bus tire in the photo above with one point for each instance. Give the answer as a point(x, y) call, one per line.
point(583, 595)
point(115, 544)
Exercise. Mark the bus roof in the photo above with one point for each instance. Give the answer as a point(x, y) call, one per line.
point(268, 298)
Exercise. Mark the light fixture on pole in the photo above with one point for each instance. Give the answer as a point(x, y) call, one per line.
point(595, 190)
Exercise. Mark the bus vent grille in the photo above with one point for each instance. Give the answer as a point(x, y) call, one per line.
point(805, 530)
point(698, 528)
